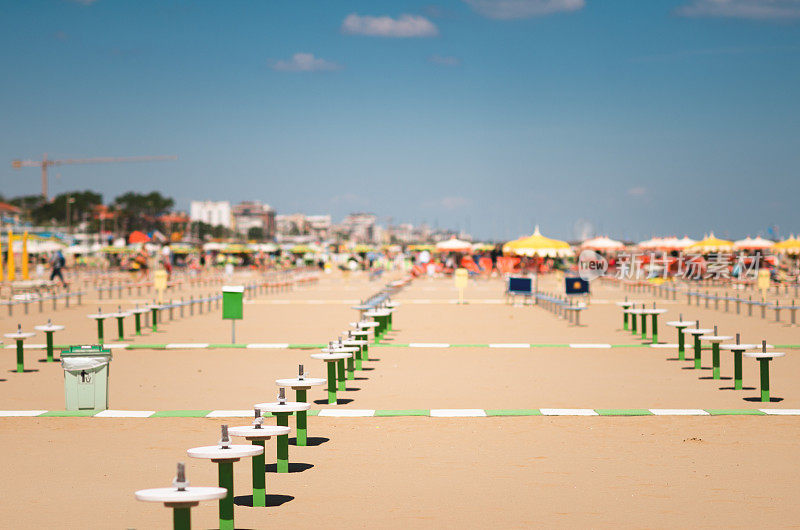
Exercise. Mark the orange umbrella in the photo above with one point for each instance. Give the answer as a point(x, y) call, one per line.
point(138, 237)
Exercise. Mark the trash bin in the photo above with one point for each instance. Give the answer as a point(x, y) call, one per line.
point(86, 377)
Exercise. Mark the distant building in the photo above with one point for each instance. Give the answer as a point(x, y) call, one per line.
point(319, 226)
point(297, 227)
point(253, 214)
point(9, 214)
point(214, 213)
point(359, 228)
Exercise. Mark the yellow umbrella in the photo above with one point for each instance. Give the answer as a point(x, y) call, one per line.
point(711, 244)
point(788, 246)
point(537, 245)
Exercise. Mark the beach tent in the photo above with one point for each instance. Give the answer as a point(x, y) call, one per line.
point(454, 245)
point(788, 246)
point(537, 245)
point(711, 244)
point(603, 244)
point(758, 243)
point(684, 242)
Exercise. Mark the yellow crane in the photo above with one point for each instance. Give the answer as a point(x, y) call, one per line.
point(45, 163)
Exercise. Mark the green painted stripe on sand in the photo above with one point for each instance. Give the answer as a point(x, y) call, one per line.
point(513, 412)
point(181, 414)
point(68, 413)
point(409, 412)
point(229, 346)
point(306, 346)
point(623, 412)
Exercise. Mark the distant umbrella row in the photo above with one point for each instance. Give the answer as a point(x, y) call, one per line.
point(537, 245)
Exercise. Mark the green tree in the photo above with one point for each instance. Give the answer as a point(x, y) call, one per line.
point(256, 233)
point(138, 211)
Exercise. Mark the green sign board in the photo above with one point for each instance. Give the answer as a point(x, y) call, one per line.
point(232, 301)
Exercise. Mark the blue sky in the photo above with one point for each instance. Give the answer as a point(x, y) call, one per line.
point(632, 117)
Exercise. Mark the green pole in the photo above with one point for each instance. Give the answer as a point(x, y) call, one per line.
point(341, 376)
point(697, 359)
point(358, 357)
point(155, 319)
point(226, 503)
point(389, 320)
point(681, 345)
point(181, 518)
point(100, 331)
point(137, 317)
point(282, 419)
point(350, 368)
point(625, 318)
point(302, 418)
point(715, 359)
point(20, 357)
point(365, 350)
point(120, 328)
point(331, 382)
point(644, 326)
point(633, 324)
point(764, 379)
point(655, 328)
point(49, 335)
point(259, 477)
point(737, 369)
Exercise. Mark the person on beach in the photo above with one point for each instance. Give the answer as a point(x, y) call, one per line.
point(57, 265)
point(142, 260)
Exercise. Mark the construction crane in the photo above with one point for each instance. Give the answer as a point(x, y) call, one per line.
point(45, 163)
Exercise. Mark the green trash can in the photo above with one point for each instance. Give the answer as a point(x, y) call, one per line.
point(86, 377)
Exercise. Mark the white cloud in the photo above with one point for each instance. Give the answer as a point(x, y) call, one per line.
point(402, 26)
point(638, 191)
point(304, 62)
point(454, 202)
point(511, 9)
point(747, 9)
point(444, 60)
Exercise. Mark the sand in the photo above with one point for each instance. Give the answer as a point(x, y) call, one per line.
point(511, 471)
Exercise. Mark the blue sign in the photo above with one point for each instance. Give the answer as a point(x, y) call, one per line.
point(576, 286)
point(520, 285)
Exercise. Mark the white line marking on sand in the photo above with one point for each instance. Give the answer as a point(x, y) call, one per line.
point(346, 413)
point(231, 414)
point(20, 413)
point(568, 412)
point(678, 412)
point(663, 345)
point(125, 414)
point(457, 413)
point(781, 412)
point(186, 345)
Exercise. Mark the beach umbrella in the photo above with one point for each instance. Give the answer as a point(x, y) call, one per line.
point(454, 245)
point(236, 248)
point(602, 244)
point(213, 246)
point(137, 237)
point(652, 244)
point(537, 245)
point(685, 242)
point(711, 244)
point(788, 246)
point(758, 243)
